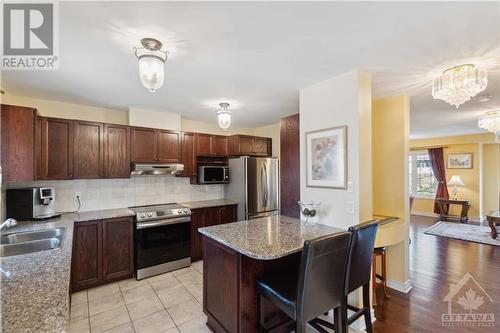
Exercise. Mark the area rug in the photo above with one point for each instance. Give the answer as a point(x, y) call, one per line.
point(463, 231)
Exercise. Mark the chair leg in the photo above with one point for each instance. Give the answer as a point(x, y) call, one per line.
point(366, 305)
point(300, 327)
point(344, 323)
point(338, 321)
point(259, 307)
point(384, 275)
point(374, 279)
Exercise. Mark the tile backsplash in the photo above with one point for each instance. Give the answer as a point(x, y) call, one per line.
point(98, 194)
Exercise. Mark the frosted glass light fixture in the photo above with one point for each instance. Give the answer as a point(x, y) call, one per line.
point(459, 84)
point(490, 121)
point(224, 116)
point(151, 63)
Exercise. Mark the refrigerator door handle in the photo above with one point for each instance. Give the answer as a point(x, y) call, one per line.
point(266, 189)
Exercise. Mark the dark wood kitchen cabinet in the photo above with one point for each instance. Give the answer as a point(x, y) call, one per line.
point(240, 145)
point(206, 217)
point(88, 150)
point(18, 139)
point(56, 149)
point(188, 155)
point(116, 151)
point(290, 165)
point(150, 145)
point(211, 145)
point(102, 252)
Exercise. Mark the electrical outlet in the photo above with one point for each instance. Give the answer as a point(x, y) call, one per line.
point(350, 207)
point(78, 195)
point(350, 186)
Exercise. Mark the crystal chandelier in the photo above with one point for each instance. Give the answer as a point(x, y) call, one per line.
point(459, 84)
point(151, 63)
point(490, 121)
point(224, 116)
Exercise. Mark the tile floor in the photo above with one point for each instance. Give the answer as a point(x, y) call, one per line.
point(167, 303)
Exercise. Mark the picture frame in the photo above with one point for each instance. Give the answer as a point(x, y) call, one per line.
point(459, 161)
point(326, 158)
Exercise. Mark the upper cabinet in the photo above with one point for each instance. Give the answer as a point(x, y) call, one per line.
point(18, 154)
point(249, 145)
point(88, 150)
point(116, 151)
point(188, 156)
point(153, 145)
point(56, 149)
point(211, 145)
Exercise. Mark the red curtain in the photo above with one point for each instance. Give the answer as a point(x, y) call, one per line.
point(438, 168)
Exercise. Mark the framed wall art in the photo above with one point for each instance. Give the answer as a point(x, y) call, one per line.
point(460, 161)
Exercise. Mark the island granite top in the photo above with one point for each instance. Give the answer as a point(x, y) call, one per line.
point(208, 203)
point(267, 238)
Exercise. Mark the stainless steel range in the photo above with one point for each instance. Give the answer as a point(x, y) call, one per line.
point(162, 238)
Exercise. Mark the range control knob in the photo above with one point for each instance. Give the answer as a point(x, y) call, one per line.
point(142, 215)
point(186, 211)
point(150, 214)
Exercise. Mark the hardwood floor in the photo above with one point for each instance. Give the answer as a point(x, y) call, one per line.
point(435, 263)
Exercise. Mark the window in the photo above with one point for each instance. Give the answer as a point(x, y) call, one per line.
point(422, 181)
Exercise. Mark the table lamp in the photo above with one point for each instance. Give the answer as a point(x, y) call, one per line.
point(455, 181)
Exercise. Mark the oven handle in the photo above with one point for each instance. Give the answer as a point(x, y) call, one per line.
point(145, 225)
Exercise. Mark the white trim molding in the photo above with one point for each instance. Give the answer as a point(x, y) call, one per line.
point(399, 286)
point(359, 325)
point(422, 213)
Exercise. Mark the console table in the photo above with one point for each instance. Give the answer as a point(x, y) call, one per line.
point(493, 218)
point(444, 204)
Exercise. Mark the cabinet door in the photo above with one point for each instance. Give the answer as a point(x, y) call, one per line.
point(18, 142)
point(188, 157)
point(260, 146)
point(117, 248)
point(203, 144)
point(198, 220)
point(219, 145)
point(227, 214)
point(246, 145)
point(57, 149)
point(168, 146)
point(116, 151)
point(143, 145)
point(88, 150)
point(86, 262)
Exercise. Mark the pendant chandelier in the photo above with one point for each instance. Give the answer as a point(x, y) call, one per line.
point(151, 63)
point(224, 116)
point(490, 121)
point(459, 84)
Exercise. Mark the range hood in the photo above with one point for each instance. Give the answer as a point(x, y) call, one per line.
point(157, 169)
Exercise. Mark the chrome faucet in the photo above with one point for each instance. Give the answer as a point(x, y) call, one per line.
point(9, 223)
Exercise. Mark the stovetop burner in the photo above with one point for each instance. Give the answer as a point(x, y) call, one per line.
point(163, 211)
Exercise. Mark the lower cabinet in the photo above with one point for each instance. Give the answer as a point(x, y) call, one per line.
point(206, 217)
point(102, 252)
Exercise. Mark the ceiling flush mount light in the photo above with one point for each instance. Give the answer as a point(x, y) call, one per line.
point(224, 116)
point(459, 84)
point(490, 121)
point(151, 63)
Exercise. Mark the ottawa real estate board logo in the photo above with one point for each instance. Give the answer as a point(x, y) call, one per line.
point(469, 306)
point(30, 35)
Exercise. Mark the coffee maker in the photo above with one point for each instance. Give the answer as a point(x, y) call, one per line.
point(31, 203)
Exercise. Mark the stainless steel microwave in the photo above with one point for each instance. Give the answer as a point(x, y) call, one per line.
point(213, 174)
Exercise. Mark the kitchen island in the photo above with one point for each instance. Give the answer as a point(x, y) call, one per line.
point(237, 254)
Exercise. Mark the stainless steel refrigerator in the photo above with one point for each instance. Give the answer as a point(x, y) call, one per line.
point(254, 184)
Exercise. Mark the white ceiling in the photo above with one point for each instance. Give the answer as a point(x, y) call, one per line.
point(258, 56)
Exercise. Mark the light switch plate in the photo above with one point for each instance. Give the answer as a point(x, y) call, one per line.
point(350, 186)
point(350, 207)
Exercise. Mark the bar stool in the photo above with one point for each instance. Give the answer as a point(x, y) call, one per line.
point(358, 275)
point(380, 252)
point(317, 287)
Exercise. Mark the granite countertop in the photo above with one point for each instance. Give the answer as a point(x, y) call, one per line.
point(208, 203)
point(35, 286)
point(268, 237)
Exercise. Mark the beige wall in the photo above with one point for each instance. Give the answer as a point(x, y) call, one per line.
point(270, 131)
point(390, 140)
point(191, 125)
point(491, 177)
point(57, 109)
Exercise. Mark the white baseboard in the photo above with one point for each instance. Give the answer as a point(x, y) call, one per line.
point(399, 286)
point(359, 325)
point(422, 213)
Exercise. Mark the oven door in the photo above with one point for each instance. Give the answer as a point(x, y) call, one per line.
point(162, 241)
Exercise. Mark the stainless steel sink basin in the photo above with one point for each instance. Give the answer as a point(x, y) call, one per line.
point(20, 237)
point(29, 247)
point(32, 241)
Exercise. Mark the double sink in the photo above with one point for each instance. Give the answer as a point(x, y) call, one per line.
point(31, 241)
